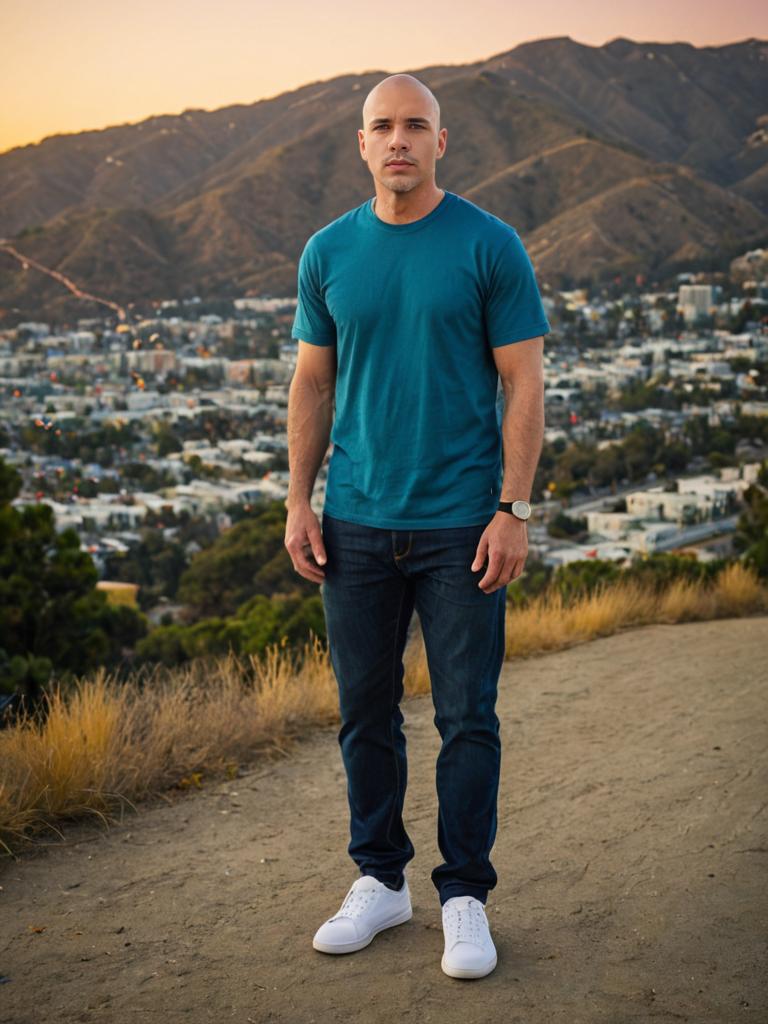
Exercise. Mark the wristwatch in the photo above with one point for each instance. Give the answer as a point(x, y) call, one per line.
point(520, 509)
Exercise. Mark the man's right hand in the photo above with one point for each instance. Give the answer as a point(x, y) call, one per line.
point(304, 541)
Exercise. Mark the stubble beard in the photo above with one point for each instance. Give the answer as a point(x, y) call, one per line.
point(401, 183)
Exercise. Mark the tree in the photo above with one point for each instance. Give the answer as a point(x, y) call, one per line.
point(563, 525)
point(248, 559)
point(258, 622)
point(751, 535)
point(52, 617)
point(167, 441)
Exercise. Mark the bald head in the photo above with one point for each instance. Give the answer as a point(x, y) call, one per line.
point(401, 138)
point(400, 86)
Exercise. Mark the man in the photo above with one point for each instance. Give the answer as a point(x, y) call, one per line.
point(411, 306)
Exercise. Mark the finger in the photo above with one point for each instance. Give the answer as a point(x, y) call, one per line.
point(307, 566)
point(316, 541)
point(482, 548)
point(501, 582)
point(507, 578)
point(505, 574)
point(313, 575)
point(495, 565)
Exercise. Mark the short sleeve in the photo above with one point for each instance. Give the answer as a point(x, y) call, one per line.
point(513, 306)
point(312, 322)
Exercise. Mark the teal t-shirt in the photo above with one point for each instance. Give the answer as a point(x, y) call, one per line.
point(414, 311)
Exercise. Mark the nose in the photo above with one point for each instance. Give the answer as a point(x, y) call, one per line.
point(398, 140)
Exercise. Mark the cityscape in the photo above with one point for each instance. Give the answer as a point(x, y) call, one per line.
point(159, 384)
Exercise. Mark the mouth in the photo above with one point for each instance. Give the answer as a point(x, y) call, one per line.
point(399, 163)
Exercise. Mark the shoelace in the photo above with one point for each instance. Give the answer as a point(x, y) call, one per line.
point(466, 924)
point(355, 902)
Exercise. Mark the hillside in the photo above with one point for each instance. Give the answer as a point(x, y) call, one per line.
point(607, 159)
point(630, 848)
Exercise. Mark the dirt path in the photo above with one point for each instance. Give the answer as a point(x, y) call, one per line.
point(631, 853)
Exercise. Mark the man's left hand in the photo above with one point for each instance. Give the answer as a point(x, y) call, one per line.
point(505, 543)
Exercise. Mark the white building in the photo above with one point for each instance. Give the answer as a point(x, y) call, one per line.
point(696, 299)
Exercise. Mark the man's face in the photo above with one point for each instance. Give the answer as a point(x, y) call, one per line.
point(400, 141)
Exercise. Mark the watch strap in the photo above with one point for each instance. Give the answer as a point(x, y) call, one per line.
point(506, 506)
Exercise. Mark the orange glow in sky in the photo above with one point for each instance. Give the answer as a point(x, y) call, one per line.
point(87, 64)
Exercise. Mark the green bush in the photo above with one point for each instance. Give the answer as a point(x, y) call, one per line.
point(583, 576)
point(660, 568)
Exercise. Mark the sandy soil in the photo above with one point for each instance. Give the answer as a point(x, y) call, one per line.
point(631, 853)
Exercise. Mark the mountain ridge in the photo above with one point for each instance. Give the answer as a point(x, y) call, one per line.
point(220, 202)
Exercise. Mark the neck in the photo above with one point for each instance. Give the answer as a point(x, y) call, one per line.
point(404, 207)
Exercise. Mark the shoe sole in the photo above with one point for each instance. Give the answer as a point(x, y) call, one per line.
point(352, 947)
point(468, 972)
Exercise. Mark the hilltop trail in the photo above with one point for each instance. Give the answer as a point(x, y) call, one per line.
point(631, 854)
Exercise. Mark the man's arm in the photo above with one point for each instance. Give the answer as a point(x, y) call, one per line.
point(504, 541)
point(310, 418)
point(521, 369)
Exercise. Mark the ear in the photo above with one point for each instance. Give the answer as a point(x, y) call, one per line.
point(361, 143)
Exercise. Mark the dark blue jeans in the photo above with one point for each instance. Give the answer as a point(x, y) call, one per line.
point(374, 578)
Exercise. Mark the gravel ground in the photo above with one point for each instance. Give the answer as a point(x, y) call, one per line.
point(631, 854)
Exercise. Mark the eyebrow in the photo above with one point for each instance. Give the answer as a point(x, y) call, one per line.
point(386, 120)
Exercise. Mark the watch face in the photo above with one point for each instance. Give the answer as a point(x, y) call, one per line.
point(521, 509)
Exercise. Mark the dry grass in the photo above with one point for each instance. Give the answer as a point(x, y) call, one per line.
point(105, 745)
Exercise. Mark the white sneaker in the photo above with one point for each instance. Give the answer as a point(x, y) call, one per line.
point(368, 908)
point(469, 949)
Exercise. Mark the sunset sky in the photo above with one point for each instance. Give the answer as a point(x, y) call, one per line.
point(68, 67)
